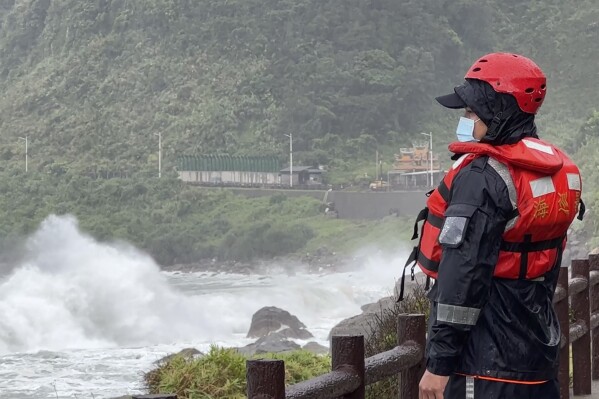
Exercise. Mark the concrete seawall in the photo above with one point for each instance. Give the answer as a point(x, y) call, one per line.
point(355, 205)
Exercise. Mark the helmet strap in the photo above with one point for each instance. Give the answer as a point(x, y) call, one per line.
point(496, 121)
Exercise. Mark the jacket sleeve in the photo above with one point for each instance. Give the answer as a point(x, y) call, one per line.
point(475, 219)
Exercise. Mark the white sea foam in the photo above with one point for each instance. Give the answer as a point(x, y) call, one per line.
point(79, 317)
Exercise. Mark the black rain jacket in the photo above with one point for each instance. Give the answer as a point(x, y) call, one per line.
point(517, 333)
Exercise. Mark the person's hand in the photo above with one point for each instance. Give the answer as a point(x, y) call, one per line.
point(432, 386)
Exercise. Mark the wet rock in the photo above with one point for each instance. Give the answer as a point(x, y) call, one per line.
point(295, 333)
point(316, 348)
point(361, 324)
point(188, 353)
point(365, 323)
point(272, 343)
point(271, 319)
point(382, 305)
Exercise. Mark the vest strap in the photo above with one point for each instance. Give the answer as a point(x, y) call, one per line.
point(528, 246)
point(435, 221)
point(524, 257)
point(411, 259)
point(422, 215)
point(427, 263)
point(444, 191)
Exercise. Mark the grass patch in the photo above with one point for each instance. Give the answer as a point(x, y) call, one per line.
point(345, 236)
point(221, 373)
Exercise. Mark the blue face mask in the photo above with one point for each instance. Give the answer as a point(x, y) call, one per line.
point(465, 130)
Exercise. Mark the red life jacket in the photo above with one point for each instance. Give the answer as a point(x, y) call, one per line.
point(544, 186)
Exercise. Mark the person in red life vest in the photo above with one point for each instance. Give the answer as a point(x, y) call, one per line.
point(492, 239)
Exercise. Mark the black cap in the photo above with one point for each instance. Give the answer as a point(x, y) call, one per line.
point(452, 101)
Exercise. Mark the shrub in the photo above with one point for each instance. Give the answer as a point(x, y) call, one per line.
point(221, 373)
point(383, 337)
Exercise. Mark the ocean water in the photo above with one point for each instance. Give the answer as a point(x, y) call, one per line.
point(85, 319)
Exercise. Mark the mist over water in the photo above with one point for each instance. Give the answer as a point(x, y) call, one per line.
point(94, 315)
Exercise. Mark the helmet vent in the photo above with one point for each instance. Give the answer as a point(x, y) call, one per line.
point(483, 60)
point(543, 86)
point(476, 69)
point(529, 90)
point(538, 99)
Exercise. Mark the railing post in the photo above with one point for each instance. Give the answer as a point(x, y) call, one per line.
point(563, 315)
point(581, 348)
point(265, 379)
point(594, 294)
point(348, 352)
point(411, 327)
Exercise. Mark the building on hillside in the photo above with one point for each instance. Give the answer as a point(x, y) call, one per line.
point(229, 170)
point(415, 159)
point(412, 168)
point(302, 176)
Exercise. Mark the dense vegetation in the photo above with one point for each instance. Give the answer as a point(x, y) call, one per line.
point(91, 83)
point(178, 223)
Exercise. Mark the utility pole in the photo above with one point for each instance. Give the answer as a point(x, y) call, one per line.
point(291, 159)
point(26, 152)
point(159, 134)
point(430, 153)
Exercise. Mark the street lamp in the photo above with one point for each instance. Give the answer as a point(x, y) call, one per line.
point(430, 152)
point(290, 135)
point(159, 134)
point(26, 152)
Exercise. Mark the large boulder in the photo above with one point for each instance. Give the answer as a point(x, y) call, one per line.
point(361, 324)
point(381, 305)
point(272, 343)
point(271, 319)
point(188, 353)
point(366, 322)
point(316, 348)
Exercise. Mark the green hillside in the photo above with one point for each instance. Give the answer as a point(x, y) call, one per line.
point(91, 82)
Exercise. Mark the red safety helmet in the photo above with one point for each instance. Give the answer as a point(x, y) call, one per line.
point(512, 74)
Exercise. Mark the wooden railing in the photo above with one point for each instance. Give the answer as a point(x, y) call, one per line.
point(580, 317)
point(350, 371)
point(576, 302)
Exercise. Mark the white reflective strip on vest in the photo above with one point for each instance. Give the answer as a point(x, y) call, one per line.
point(457, 314)
point(459, 161)
point(574, 181)
point(542, 186)
point(538, 146)
point(503, 171)
point(469, 388)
